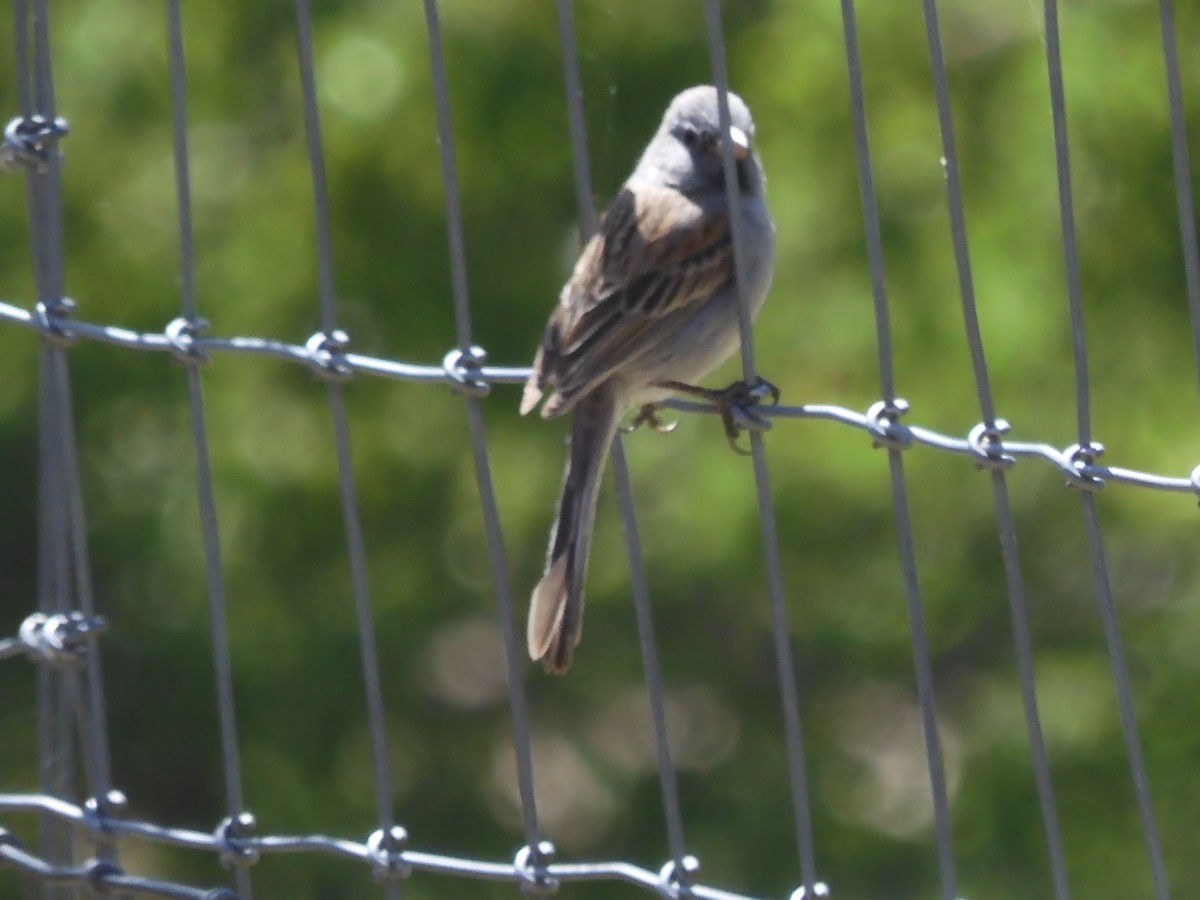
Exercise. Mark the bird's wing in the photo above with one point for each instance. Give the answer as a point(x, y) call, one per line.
point(655, 253)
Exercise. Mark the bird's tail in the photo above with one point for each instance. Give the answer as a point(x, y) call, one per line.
point(556, 606)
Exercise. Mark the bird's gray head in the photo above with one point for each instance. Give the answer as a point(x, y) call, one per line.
point(686, 151)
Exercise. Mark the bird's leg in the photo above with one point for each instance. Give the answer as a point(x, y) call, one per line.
point(648, 415)
point(735, 404)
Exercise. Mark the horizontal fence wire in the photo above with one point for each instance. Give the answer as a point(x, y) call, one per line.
point(61, 636)
point(384, 863)
point(461, 371)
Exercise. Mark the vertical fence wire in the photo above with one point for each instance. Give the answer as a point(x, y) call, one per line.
point(924, 678)
point(1006, 527)
point(355, 542)
point(920, 642)
point(892, 409)
point(780, 627)
point(74, 578)
point(1183, 170)
point(869, 200)
point(210, 533)
point(56, 748)
point(682, 866)
point(1058, 111)
point(536, 853)
point(90, 718)
point(1023, 648)
point(53, 725)
point(576, 121)
point(1087, 451)
point(326, 290)
point(66, 697)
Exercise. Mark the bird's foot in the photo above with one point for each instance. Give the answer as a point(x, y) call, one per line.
point(735, 404)
point(648, 416)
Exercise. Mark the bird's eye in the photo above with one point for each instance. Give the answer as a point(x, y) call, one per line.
point(698, 140)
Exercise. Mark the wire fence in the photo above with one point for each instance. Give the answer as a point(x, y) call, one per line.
point(60, 637)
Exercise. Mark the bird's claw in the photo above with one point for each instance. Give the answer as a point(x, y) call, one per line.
point(736, 406)
point(648, 415)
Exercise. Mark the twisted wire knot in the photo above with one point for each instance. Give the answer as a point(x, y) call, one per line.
point(675, 880)
point(883, 421)
point(385, 850)
point(99, 812)
point(987, 445)
point(50, 317)
point(1080, 458)
point(31, 142)
point(182, 334)
point(530, 865)
point(325, 351)
point(60, 638)
point(820, 890)
point(232, 837)
point(462, 368)
point(98, 871)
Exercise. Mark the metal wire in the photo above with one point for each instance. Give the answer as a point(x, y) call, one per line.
point(1183, 170)
point(991, 431)
point(54, 742)
point(888, 414)
point(62, 708)
point(463, 370)
point(325, 350)
point(678, 874)
point(922, 663)
point(60, 638)
point(209, 531)
point(364, 852)
point(1088, 449)
point(975, 444)
point(776, 594)
point(99, 876)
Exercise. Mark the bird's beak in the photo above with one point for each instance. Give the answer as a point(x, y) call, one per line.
point(741, 143)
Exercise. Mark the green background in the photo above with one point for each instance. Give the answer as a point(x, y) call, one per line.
point(298, 682)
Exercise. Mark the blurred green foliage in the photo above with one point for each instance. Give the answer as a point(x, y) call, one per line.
point(301, 717)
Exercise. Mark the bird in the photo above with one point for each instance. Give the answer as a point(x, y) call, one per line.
point(650, 308)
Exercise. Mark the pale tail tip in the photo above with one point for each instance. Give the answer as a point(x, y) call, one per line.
point(544, 636)
point(531, 397)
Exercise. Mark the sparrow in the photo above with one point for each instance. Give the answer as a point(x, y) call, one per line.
point(650, 308)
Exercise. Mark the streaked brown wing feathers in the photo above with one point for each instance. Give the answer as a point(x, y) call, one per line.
point(656, 252)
